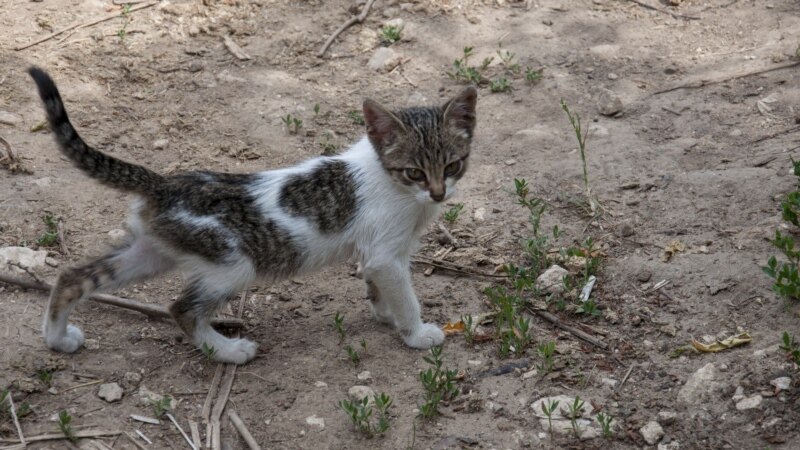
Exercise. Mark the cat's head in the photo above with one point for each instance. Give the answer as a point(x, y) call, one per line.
point(424, 149)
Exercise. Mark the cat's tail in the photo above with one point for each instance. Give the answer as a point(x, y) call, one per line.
point(109, 170)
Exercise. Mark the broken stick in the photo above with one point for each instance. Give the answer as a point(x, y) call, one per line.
point(144, 308)
point(79, 25)
point(578, 333)
point(353, 20)
point(242, 429)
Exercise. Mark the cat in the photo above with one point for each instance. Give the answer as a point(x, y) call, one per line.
point(224, 230)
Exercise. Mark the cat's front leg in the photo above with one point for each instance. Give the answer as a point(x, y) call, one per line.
point(391, 280)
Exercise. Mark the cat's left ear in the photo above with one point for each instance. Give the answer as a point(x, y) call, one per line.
point(459, 112)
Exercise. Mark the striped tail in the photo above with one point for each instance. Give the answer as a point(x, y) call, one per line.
point(109, 170)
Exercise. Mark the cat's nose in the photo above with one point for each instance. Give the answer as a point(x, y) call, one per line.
point(437, 196)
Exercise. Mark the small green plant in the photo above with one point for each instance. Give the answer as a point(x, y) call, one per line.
point(785, 273)
point(293, 124)
point(50, 236)
point(507, 58)
point(356, 117)
point(532, 76)
point(580, 135)
point(316, 109)
point(548, 411)
point(65, 425)
point(517, 338)
point(791, 347)
point(589, 308)
point(438, 384)
point(500, 85)
point(463, 72)
point(390, 34)
point(451, 215)
point(126, 14)
point(45, 376)
point(605, 423)
point(536, 246)
point(353, 355)
point(363, 345)
point(360, 413)
point(546, 350)
point(329, 148)
point(208, 351)
point(338, 325)
point(469, 329)
point(575, 410)
point(161, 406)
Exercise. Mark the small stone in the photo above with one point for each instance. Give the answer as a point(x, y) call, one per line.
point(367, 40)
point(644, 275)
point(608, 103)
point(160, 144)
point(667, 417)
point(132, 379)
point(364, 376)
point(110, 392)
point(510, 162)
point(193, 30)
point(91, 344)
point(195, 66)
point(117, 233)
point(781, 383)
point(739, 394)
point(652, 432)
point(552, 280)
point(479, 215)
point(358, 393)
point(475, 362)
point(52, 262)
point(699, 385)
point(749, 402)
point(597, 130)
point(612, 76)
point(625, 230)
point(530, 374)
point(384, 59)
point(610, 382)
point(148, 397)
point(10, 257)
point(315, 421)
point(320, 384)
point(673, 445)
point(9, 118)
point(735, 132)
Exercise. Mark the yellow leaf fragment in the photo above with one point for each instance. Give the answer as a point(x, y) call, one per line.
point(671, 249)
point(733, 341)
point(453, 328)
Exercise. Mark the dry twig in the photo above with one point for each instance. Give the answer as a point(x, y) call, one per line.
point(134, 441)
point(243, 431)
point(576, 332)
point(353, 20)
point(675, 15)
point(453, 267)
point(13, 411)
point(60, 436)
point(144, 308)
point(183, 433)
point(703, 83)
point(79, 25)
point(234, 48)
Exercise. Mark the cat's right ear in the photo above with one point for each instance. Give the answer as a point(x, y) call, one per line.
point(383, 127)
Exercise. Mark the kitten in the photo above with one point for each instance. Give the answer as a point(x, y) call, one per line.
point(222, 231)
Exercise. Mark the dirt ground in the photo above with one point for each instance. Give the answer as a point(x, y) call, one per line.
point(705, 165)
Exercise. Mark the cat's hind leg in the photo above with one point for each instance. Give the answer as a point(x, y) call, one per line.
point(380, 308)
point(139, 259)
point(207, 290)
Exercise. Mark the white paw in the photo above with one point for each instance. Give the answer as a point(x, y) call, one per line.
point(426, 336)
point(70, 342)
point(236, 351)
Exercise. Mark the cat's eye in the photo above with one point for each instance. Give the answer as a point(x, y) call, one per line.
point(453, 168)
point(415, 174)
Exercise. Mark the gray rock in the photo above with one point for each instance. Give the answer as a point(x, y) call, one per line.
point(364, 376)
point(315, 421)
point(10, 118)
point(52, 262)
point(479, 215)
point(739, 394)
point(652, 432)
point(384, 59)
point(91, 344)
point(552, 280)
point(700, 385)
point(132, 379)
point(160, 144)
point(644, 276)
point(510, 162)
point(358, 393)
point(782, 383)
point(367, 39)
point(608, 103)
point(667, 417)
point(597, 130)
point(612, 76)
point(673, 445)
point(11, 256)
point(610, 382)
point(749, 402)
point(110, 392)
